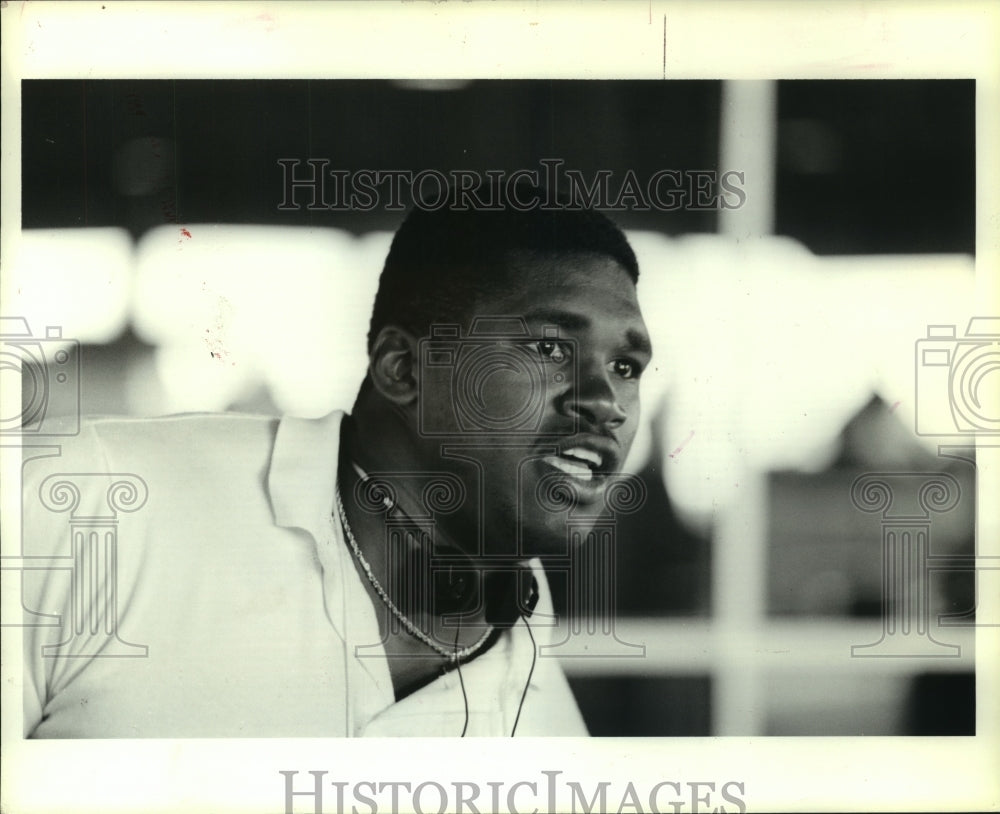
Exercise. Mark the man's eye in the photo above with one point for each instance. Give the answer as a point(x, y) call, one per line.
point(553, 350)
point(626, 368)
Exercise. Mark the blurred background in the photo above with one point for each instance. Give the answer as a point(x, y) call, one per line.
point(156, 273)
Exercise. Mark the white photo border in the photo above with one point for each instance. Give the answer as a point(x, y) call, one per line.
point(648, 40)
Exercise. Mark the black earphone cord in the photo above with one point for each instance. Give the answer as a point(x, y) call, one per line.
point(524, 693)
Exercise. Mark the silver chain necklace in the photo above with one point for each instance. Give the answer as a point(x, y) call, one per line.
point(454, 655)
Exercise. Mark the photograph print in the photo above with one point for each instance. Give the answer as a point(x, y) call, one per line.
point(498, 407)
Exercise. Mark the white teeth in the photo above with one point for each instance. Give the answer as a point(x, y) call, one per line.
point(581, 471)
point(584, 455)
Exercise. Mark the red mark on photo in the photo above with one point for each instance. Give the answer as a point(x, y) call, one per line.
point(893, 408)
point(684, 443)
point(271, 22)
point(185, 232)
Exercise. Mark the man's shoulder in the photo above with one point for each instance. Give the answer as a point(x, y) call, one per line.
point(185, 428)
point(108, 443)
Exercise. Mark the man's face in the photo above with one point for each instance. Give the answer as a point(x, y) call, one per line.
point(547, 414)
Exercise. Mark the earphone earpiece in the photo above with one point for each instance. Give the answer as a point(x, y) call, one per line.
point(509, 596)
point(457, 588)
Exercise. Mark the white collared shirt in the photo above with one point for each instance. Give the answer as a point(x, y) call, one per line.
point(226, 604)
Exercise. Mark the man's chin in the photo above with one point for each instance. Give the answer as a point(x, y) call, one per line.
point(555, 536)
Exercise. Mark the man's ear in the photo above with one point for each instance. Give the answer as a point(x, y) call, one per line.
point(393, 366)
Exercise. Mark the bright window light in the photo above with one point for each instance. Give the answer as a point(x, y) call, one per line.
point(764, 351)
point(75, 279)
point(285, 306)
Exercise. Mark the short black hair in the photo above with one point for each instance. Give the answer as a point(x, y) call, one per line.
point(441, 258)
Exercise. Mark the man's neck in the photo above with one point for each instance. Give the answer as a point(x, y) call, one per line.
point(427, 566)
point(411, 555)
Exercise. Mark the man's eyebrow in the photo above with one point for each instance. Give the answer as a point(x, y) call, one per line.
point(639, 342)
point(563, 319)
point(636, 340)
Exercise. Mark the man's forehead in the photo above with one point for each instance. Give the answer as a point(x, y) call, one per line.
point(588, 281)
point(549, 267)
point(575, 292)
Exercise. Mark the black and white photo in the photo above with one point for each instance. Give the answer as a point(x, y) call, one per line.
point(644, 416)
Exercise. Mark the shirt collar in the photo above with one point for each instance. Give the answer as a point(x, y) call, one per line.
point(303, 472)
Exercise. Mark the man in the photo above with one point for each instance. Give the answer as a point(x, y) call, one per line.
point(371, 574)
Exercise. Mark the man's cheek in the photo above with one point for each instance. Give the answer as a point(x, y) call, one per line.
point(502, 388)
point(505, 402)
point(628, 431)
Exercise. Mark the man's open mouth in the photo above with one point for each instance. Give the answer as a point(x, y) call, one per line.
point(582, 464)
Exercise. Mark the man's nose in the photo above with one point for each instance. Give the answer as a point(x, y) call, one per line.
point(593, 400)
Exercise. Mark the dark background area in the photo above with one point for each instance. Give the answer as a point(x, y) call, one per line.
point(867, 167)
point(220, 142)
point(863, 167)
